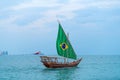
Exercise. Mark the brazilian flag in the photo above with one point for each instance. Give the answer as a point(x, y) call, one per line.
point(64, 48)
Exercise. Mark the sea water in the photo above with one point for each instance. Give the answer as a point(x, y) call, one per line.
point(29, 67)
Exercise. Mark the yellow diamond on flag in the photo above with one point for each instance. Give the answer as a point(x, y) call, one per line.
point(64, 46)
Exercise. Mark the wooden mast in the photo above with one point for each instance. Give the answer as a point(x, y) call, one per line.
point(67, 50)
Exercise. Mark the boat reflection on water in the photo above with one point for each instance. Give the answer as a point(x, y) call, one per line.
point(60, 73)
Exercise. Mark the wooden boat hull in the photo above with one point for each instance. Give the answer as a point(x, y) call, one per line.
point(51, 64)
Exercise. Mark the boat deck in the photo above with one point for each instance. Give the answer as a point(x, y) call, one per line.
point(57, 62)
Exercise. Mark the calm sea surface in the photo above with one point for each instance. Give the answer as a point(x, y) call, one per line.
point(29, 67)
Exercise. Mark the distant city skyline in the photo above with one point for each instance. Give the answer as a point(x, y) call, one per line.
point(27, 26)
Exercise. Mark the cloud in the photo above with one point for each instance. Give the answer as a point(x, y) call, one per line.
point(9, 26)
point(52, 9)
point(67, 9)
point(36, 3)
point(105, 4)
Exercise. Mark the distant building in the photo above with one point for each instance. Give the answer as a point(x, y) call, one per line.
point(4, 53)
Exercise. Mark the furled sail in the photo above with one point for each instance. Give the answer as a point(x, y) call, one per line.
point(64, 48)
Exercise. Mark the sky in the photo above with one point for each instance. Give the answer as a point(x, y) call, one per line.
point(27, 26)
